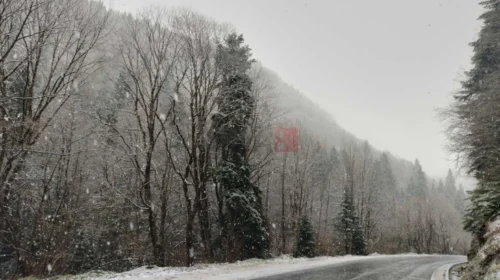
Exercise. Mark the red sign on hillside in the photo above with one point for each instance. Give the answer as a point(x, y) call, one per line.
point(286, 140)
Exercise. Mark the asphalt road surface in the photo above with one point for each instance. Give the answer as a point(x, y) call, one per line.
point(394, 268)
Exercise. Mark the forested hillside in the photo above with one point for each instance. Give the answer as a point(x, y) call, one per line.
point(148, 140)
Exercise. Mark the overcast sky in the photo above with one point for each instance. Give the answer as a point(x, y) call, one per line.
point(381, 68)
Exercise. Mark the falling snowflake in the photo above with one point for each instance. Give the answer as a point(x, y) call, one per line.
point(49, 268)
point(163, 117)
point(108, 243)
point(176, 97)
point(131, 226)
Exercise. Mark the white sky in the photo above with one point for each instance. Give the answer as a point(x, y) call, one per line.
point(381, 68)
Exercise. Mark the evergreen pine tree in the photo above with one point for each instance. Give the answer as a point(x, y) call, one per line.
point(461, 200)
point(305, 246)
point(418, 182)
point(484, 206)
point(358, 241)
point(476, 113)
point(486, 53)
point(245, 224)
point(449, 185)
point(386, 175)
point(349, 228)
point(384, 181)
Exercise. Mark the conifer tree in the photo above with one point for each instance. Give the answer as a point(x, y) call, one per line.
point(418, 182)
point(476, 121)
point(349, 228)
point(358, 241)
point(244, 224)
point(305, 246)
point(449, 184)
point(385, 174)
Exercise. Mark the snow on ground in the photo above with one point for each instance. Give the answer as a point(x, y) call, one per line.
point(441, 273)
point(243, 270)
point(457, 271)
point(449, 271)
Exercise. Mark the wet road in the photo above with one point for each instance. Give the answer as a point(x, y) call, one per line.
point(392, 268)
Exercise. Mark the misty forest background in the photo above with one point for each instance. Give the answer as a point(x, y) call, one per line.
point(148, 140)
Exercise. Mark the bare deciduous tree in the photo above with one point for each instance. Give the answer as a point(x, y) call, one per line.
point(46, 51)
point(196, 79)
point(148, 56)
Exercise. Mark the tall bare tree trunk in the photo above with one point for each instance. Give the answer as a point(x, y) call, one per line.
point(153, 228)
point(283, 218)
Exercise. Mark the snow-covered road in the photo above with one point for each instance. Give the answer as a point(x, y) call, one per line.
point(374, 267)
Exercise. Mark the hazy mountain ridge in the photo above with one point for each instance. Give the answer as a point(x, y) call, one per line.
point(296, 106)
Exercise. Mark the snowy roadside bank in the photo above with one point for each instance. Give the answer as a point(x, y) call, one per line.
point(457, 271)
point(243, 270)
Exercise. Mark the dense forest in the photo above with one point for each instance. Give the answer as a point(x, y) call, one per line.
point(148, 140)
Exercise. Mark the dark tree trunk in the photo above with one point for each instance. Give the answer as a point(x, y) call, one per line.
point(190, 240)
point(204, 218)
point(153, 228)
point(283, 229)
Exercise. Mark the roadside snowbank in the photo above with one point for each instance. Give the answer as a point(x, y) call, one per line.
point(243, 270)
point(457, 271)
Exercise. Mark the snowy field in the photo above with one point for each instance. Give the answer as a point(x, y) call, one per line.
point(244, 270)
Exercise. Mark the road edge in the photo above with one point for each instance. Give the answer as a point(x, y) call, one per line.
point(270, 269)
point(443, 272)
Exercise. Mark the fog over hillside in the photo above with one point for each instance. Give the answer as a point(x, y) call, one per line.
point(298, 107)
